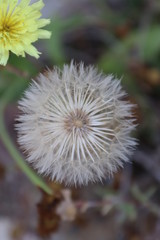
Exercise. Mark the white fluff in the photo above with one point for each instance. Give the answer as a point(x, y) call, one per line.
point(75, 125)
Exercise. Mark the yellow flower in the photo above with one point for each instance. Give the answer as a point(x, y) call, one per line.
point(20, 26)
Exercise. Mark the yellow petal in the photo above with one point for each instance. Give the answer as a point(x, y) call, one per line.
point(38, 5)
point(31, 50)
point(44, 34)
point(4, 57)
point(43, 22)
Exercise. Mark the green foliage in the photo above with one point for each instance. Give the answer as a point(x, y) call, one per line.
point(129, 210)
point(140, 45)
point(21, 75)
point(150, 46)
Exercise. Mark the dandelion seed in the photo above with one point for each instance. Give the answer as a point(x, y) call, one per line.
point(75, 125)
point(20, 26)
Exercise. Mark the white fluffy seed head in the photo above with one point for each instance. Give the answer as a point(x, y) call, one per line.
point(75, 125)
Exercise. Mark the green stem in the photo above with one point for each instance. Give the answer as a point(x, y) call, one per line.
point(34, 178)
point(19, 160)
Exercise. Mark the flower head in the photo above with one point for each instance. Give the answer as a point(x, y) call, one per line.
point(75, 125)
point(20, 26)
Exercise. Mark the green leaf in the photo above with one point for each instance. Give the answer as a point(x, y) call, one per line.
point(142, 45)
point(150, 43)
point(129, 210)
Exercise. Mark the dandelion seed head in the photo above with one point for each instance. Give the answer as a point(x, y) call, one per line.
point(75, 125)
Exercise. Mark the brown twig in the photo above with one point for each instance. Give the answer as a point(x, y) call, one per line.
point(15, 71)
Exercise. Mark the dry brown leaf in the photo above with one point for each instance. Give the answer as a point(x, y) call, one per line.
point(49, 220)
point(148, 76)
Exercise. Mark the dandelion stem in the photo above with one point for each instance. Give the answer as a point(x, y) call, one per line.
point(34, 178)
point(19, 160)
